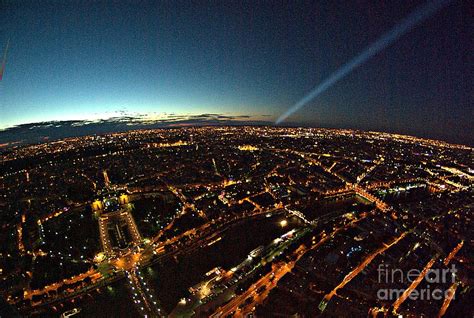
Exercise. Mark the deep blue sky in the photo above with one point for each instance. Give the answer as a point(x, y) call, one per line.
point(87, 60)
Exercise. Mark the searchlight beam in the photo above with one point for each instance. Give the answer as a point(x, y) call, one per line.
point(417, 16)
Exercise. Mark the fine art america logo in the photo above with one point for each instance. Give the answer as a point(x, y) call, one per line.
point(413, 278)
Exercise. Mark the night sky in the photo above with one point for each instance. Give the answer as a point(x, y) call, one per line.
point(90, 60)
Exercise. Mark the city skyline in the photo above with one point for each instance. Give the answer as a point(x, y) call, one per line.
point(237, 221)
point(236, 159)
point(94, 61)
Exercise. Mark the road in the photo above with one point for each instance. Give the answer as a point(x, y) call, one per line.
point(271, 279)
point(453, 253)
point(361, 267)
point(146, 257)
point(142, 295)
point(413, 285)
point(447, 300)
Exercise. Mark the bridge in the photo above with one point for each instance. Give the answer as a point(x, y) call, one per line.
point(142, 295)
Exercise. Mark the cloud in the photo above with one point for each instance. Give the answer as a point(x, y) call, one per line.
point(54, 130)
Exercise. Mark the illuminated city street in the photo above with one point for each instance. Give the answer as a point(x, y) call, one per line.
point(328, 202)
point(236, 159)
